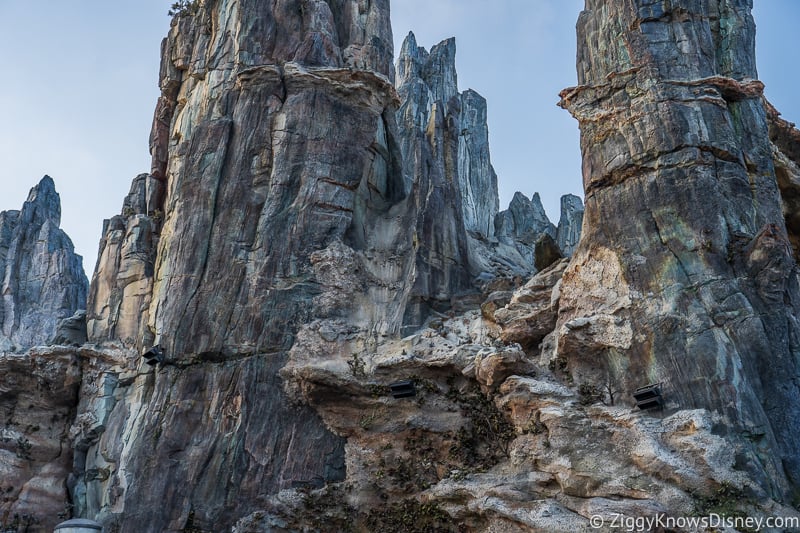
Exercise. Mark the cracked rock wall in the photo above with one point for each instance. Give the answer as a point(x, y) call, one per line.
point(42, 277)
point(270, 119)
point(685, 274)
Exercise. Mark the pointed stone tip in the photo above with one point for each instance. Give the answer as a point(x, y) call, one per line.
point(44, 200)
point(47, 183)
point(409, 46)
point(46, 188)
point(571, 201)
point(519, 196)
point(447, 47)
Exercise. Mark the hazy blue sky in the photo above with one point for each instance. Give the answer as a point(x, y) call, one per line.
point(80, 84)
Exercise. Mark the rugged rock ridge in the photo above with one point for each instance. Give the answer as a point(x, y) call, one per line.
point(121, 287)
point(284, 195)
point(42, 277)
point(685, 273)
point(523, 223)
point(273, 133)
point(444, 137)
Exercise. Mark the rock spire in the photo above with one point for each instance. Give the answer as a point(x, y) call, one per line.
point(42, 277)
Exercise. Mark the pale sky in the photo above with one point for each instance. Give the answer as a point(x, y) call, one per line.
point(80, 85)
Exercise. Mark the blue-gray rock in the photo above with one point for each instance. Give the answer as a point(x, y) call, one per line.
point(523, 223)
point(42, 277)
point(570, 223)
point(685, 273)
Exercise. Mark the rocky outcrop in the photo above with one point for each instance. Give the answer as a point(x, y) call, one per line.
point(476, 176)
point(290, 186)
point(121, 289)
point(569, 225)
point(493, 442)
point(38, 394)
point(786, 158)
point(274, 140)
point(523, 223)
point(429, 129)
point(311, 241)
point(42, 277)
point(684, 274)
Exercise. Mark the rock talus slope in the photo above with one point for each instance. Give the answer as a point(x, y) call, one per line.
point(685, 274)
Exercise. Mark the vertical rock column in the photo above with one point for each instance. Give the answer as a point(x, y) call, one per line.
point(270, 120)
point(684, 274)
point(41, 277)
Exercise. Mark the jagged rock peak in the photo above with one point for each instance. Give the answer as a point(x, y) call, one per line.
point(437, 68)
point(43, 203)
point(570, 223)
point(525, 219)
point(42, 277)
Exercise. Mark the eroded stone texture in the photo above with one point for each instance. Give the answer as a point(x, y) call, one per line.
point(121, 289)
point(523, 223)
point(684, 274)
point(42, 276)
point(445, 145)
point(568, 233)
point(429, 120)
point(478, 181)
point(571, 454)
point(38, 393)
point(786, 157)
point(274, 132)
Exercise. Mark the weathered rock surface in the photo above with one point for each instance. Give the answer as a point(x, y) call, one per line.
point(42, 277)
point(309, 236)
point(684, 274)
point(523, 223)
point(71, 331)
point(568, 233)
point(273, 139)
point(544, 454)
point(121, 288)
point(286, 189)
point(532, 311)
point(430, 127)
point(786, 158)
point(38, 392)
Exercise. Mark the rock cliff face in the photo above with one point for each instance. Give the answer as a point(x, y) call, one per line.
point(38, 394)
point(570, 223)
point(42, 277)
point(685, 274)
point(275, 127)
point(312, 236)
point(289, 186)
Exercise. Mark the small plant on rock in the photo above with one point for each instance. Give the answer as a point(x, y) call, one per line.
point(357, 366)
point(590, 394)
point(184, 8)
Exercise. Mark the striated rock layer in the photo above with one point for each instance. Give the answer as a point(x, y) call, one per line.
point(273, 130)
point(685, 273)
point(42, 276)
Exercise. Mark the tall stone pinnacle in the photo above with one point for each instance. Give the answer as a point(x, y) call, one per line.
point(685, 274)
point(42, 277)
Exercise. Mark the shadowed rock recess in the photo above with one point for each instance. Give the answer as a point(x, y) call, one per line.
point(319, 225)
